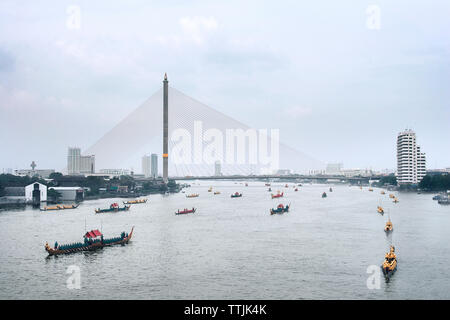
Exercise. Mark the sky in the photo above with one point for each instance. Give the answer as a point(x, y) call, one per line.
point(339, 79)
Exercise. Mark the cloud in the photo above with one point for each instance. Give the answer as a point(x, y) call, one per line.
point(198, 28)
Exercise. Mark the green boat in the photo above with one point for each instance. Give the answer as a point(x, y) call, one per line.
point(114, 207)
point(280, 209)
point(236, 195)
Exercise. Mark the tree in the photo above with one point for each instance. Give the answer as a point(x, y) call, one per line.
point(53, 195)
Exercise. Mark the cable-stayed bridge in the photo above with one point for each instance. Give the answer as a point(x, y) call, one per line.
point(188, 119)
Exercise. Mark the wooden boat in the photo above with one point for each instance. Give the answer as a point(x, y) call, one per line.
point(370, 189)
point(278, 195)
point(236, 195)
point(60, 207)
point(137, 201)
point(324, 195)
point(93, 240)
point(380, 210)
point(382, 192)
point(193, 195)
point(280, 209)
point(389, 265)
point(395, 200)
point(391, 196)
point(114, 207)
point(267, 184)
point(389, 226)
point(185, 211)
point(217, 192)
point(210, 189)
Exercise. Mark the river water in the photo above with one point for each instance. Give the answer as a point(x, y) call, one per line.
point(233, 248)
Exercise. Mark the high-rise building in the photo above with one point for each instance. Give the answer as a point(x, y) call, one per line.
point(73, 161)
point(154, 166)
point(411, 164)
point(217, 169)
point(146, 166)
point(87, 164)
point(78, 164)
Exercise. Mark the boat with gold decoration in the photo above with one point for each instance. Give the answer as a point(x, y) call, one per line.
point(389, 226)
point(389, 265)
point(192, 195)
point(380, 210)
point(60, 207)
point(137, 201)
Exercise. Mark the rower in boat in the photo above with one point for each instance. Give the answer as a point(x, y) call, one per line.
point(210, 189)
point(270, 189)
point(114, 207)
point(278, 195)
point(370, 189)
point(280, 209)
point(93, 240)
point(185, 211)
point(267, 184)
point(380, 210)
point(217, 192)
point(246, 184)
point(137, 201)
point(392, 196)
point(395, 200)
point(382, 192)
point(236, 195)
point(389, 226)
point(193, 195)
point(286, 186)
point(331, 189)
point(324, 195)
point(60, 207)
point(296, 189)
point(390, 263)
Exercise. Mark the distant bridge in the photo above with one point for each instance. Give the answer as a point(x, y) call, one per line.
point(321, 178)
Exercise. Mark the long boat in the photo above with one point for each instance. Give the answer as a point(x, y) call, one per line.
point(185, 211)
point(278, 195)
point(113, 208)
point(236, 195)
point(93, 240)
point(389, 265)
point(137, 201)
point(194, 195)
point(389, 226)
point(60, 207)
point(280, 209)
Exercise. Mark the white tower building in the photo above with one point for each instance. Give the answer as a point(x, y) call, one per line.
point(411, 165)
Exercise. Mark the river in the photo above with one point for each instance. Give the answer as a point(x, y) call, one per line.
point(233, 248)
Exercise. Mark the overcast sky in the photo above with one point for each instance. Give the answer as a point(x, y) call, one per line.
point(338, 85)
